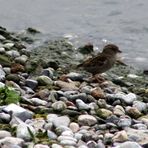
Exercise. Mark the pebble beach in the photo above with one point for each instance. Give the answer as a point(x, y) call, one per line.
point(45, 102)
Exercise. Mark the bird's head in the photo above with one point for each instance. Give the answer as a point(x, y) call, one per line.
point(111, 49)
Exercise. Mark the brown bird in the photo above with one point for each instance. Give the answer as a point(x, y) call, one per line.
point(101, 62)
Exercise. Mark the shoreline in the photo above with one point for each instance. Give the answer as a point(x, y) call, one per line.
point(45, 102)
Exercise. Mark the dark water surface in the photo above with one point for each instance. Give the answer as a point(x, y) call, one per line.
point(124, 22)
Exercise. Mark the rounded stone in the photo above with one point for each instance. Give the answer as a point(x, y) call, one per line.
point(87, 120)
point(59, 106)
point(22, 59)
point(74, 127)
point(61, 121)
point(4, 134)
point(119, 110)
point(41, 146)
point(44, 80)
point(37, 101)
point(13, 53)
point(31, 83)
point(120, 136)
point(124, 121)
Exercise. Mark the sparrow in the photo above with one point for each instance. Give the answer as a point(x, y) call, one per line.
point(102, 61)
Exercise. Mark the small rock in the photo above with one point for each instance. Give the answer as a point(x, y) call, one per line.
point(139, 136)
point(73, 97)
point(13, 53)
point(119, 110)
point(74, 127)
point(41, 146)
point(22, 59)
point(51, 135)
point(4, 118)
point(48, 72)
point(12, 140)
point(13, 77)
point(7, 70)
point(18, 111)
point(128, 144)
point(133, 76)
point(129, 98)
point(59, 106)
point(140, 126)
point(59, 121)
point(4, 134)
point(87, 120)
point(2, 50)
point(8, 45)
point(44, 93)
point(65, 85)
point(75, 76)
point(31, 83)
point(141, 106)
point(23, 131)
point(133, 112)
point(56, 146)
point(81, 105)
point(104, 113)
point(2, 84)
point(124, 121)
point(2, 74)
point(97, 93)
point(44, 80)
point(37, 101)
point(67, 142)
point(120, 136)
point(16, 67)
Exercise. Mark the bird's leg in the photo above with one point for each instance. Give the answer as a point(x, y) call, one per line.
point(99, 78)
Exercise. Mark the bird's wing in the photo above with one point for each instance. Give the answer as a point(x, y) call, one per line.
point(100, 60)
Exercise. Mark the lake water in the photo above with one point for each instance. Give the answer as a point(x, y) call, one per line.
point(123, 22)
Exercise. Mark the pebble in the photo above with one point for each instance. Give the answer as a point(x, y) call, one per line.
point(120, 136)
point(48, 72)
point(87, 120)
point(81, 105)
point(62, 121)
point(21, 59)
point(124, 121)
point(2, 74)
point(59, 106)
point(44, 80)
point(141, 106)
point(31, 83)
point(4, 134)
point(13, 53)
point(119, 110)
point(128, 144)
point(2, 84)
point(23, 131)
point(18, 111)
point(12, 141)
point(56, 146)
point(74, 127)
point(37, 101)
point(2, 50)
point(65, 85)
point(51, 135)
point(8, 45)
point(41, 146)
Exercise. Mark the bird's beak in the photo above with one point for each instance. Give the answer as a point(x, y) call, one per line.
point(119, 51)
